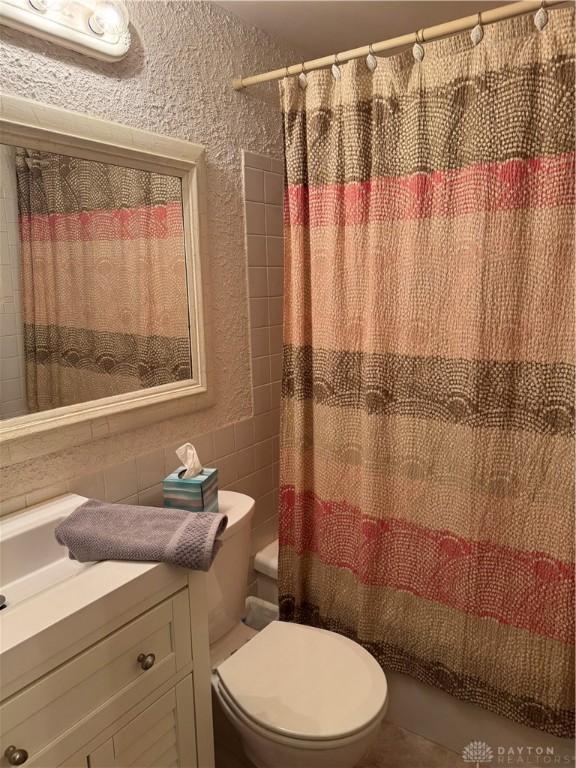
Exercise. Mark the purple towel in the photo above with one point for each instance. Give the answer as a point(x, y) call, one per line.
point(101, 531)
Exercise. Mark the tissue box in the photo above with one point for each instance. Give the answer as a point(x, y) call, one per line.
point(196, 494)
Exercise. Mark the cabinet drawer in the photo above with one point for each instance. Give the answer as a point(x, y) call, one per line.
point(109, 670)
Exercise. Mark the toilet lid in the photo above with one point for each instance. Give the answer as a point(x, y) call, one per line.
point(305, 682)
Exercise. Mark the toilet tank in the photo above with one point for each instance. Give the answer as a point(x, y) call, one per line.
point(228, 576)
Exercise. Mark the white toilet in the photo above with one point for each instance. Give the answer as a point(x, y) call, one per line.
point(299, 697)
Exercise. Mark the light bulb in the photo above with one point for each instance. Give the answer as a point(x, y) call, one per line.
point(50, 5)
point(109, 17)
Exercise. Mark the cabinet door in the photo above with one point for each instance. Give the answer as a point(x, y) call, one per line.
point(102, 757)
point(160, 737)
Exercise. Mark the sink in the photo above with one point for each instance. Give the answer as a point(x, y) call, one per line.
point(31, 560)
point(50, 598)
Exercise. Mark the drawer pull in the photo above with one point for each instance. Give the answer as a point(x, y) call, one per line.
point(146, 661)
point(15, 756)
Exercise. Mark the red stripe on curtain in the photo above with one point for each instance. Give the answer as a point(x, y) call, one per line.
point(528, 590)
point(144, 222)
point(541, 182)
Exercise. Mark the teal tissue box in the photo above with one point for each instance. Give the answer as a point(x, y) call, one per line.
point(196, 494)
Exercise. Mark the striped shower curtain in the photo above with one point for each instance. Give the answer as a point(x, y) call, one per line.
point(427, 417)
point(105, 301)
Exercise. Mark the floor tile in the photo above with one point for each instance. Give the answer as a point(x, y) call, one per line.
point(397, 748)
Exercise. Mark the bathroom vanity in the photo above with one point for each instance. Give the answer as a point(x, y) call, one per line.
point(103, 664)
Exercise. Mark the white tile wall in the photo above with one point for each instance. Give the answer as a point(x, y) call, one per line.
point(12, 382)
point(245, 453)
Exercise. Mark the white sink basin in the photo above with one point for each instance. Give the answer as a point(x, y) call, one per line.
point(50, 598)
point(31, 560)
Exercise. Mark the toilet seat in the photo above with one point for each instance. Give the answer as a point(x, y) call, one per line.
point(303, 684)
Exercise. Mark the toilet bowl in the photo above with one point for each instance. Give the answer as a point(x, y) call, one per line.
point(299, 697)
point(302, 697)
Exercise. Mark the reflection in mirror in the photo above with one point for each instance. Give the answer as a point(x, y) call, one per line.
point(94, 281)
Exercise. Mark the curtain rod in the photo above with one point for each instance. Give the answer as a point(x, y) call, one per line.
point(423, 35)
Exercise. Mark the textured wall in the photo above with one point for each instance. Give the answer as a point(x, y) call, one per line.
point(175, 81)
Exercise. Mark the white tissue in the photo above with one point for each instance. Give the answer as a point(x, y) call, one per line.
point(188, 456)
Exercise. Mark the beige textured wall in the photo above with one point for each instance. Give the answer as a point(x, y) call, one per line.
point(175, 81)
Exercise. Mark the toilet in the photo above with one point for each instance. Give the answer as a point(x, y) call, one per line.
point(299, 697)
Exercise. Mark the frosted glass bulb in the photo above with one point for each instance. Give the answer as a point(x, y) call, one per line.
point(110, 16)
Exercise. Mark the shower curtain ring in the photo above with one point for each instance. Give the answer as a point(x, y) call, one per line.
point(541, 17)
point(336, 74)
point(371, 60)
point(418, 48)
point(302, 79)
point(477, 33)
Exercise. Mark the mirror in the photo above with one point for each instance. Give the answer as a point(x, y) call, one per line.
point(100, 269)
point(94, 281)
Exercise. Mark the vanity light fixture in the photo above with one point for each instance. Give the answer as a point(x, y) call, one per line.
point(97, 28)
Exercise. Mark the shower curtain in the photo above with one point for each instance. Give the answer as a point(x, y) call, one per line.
point(428, 383)
point(105, 304)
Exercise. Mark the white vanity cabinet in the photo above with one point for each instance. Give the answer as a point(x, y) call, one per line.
point(129, 683)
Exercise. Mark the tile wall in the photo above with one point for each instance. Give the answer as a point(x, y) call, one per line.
point(12, 382)
point(246, 452)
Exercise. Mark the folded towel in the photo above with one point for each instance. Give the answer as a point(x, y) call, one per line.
point(101, 531)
